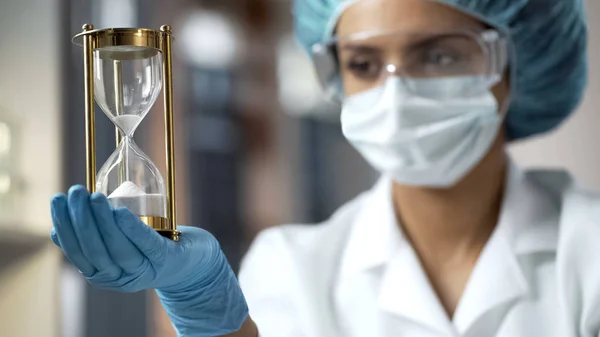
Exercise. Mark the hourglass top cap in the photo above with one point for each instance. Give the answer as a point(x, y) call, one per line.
point(115, 37)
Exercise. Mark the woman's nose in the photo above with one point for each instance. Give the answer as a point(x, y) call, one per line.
point(391, 69)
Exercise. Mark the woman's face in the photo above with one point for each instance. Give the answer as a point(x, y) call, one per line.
point(419, 42)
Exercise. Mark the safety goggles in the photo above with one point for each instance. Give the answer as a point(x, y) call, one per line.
point(429, 64)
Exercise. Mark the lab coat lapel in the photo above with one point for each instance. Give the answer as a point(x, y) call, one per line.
point(496, 282)
point(320, 268)
point(376, 245)
point(578, 278)
point(406, 293)
point(527, 225)
point(374, 233)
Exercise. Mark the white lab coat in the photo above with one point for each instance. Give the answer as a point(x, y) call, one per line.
point(356, 276)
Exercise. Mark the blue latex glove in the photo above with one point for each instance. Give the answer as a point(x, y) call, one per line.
point(114, 250)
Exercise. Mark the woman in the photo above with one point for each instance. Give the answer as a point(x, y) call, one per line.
point(453, 240)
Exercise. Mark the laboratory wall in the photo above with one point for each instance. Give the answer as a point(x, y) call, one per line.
point(574, 146)
point(30, 165)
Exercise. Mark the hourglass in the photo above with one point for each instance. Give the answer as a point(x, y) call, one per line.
point(124, 72)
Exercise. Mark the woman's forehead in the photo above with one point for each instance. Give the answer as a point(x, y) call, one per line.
point(397, 40)
point(410, 16)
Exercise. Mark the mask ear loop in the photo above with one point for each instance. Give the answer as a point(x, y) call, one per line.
point(504, 106)
point(498, 47)
point(502, 49)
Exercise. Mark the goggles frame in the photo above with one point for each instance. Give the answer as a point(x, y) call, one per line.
point(494, 45)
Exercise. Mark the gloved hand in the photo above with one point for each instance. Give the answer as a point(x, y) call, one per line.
point(114, 250)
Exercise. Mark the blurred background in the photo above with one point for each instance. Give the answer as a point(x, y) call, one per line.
point(256, 144)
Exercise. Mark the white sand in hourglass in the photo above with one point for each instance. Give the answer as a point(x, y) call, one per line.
point(128, 123)
point(130, 196)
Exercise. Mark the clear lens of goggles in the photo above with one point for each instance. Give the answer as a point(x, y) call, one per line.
point(435, 66)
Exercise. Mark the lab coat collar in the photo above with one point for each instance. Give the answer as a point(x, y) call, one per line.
point(374, 234)
point(528, 223)
point(529, 218)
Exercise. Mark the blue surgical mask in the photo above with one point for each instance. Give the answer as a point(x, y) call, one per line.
point(419, 141)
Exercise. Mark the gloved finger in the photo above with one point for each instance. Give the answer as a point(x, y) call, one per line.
point(146, 239)
point(54, 237)
point(122, 251)
point(66, 235)
point(86, 229)
point(196, 237)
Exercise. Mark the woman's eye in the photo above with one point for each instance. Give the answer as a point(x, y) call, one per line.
point(440, 58)
point(363, 68)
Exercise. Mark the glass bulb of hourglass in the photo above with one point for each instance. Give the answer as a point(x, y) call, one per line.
point(127, 82)
point(130, 179)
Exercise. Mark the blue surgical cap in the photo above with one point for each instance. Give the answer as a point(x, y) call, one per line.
point(548, 61)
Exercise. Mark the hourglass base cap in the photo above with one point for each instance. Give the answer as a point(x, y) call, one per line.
point(173, 235)
point(162, 226)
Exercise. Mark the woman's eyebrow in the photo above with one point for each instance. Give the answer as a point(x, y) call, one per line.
point(416, 40)
point(360, 48)
point(426, 41)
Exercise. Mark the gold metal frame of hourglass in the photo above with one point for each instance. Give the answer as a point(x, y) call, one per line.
point(161, 40)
